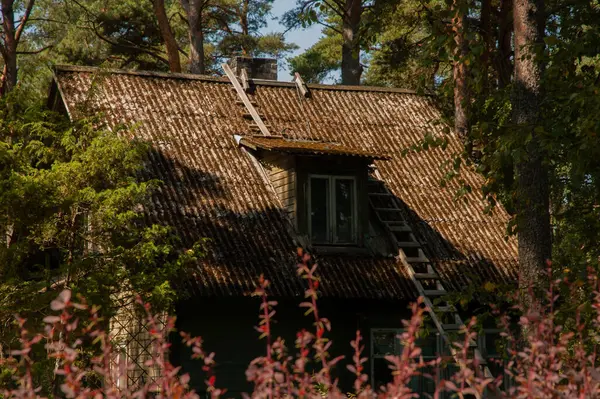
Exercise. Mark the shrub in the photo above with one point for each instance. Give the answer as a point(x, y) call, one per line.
point(542, 361)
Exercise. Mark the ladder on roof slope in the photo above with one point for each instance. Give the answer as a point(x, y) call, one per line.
point(250, 106)
point(419, 268)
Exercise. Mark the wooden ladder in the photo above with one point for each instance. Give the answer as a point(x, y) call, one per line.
point(253, 118)
point(419, 268)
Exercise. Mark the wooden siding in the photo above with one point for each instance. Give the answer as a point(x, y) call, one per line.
point(281, 171)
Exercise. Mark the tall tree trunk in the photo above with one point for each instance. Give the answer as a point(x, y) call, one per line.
point(167, 35)
point(8, 47)
point(486, 38)
point(193, 9)
point(10, 35)
point(461, 86)
point(533, 217)
point(351, 68)
point(504, 66)
point(245, 27)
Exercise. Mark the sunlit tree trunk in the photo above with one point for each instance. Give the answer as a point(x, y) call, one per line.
point(193, 9)
point(167, 35)
point(461, 87)
point(10, 36)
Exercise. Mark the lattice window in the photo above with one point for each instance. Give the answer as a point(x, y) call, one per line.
point(133, 345)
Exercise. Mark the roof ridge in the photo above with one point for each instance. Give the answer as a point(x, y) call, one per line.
point(219, 79)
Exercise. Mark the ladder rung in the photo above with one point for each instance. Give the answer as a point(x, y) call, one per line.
point(240, 102)
point(399, 228)
point(427, 276)
point(387, 209)
point(435, 292)
point(452, 327)
point(248, 116)
point(408, 244)
point(446, 309)
point(254, 126)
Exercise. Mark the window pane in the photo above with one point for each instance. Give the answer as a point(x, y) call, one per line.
point(319, 212)
point(344, 210)
point(428, 345)
point(382, 374)
point(383, 342)
point(425, 382)
point(492, 341)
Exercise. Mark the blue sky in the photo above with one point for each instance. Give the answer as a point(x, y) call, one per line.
point(302, 37)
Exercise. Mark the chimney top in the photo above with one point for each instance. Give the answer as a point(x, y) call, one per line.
point(257, 68)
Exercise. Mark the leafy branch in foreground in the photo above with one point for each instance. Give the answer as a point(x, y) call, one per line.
point(543, 361)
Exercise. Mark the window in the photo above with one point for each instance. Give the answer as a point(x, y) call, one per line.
point(332, 209)
point(385, 342)
point(492, 346)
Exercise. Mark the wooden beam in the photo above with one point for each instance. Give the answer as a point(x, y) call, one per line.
point(244, 97)
point(302, 87)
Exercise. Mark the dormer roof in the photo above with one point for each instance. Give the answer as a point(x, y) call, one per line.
point(305, 147)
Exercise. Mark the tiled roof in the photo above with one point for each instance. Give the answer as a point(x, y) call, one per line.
point(213, 189)
point(312, 147)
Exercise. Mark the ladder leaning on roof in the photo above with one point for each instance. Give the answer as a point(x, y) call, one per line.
point(241, 92)
point(419, 268)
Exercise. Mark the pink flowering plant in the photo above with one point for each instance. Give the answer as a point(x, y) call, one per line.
point(542, 359)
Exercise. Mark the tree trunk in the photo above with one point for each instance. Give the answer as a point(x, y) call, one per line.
point(245, 27)
point(9, 47)
point(504, 67)
point(351, 68)
point(167, 35)
point(193, 9)
point(486, 38)
point(461, 87)
point(533, 217)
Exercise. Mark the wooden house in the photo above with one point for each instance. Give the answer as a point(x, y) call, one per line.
point(262, 167)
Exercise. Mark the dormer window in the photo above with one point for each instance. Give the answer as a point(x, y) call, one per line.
point(332, 209)
point(322, 186)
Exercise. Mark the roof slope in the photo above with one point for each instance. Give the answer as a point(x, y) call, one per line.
point(213, 189)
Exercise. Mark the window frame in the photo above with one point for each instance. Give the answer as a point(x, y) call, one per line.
point(439, 349)
point(397, 347)
point(331, 199)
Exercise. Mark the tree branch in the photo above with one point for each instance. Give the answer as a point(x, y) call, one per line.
point(330, 27)
point(23, 20)
point(140, 49)
point(341, 14)
point(37, 51)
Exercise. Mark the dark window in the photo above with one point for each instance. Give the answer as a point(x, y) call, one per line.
point(332, 209)
point(344, 210)
point(319, 211)
point(386, 342)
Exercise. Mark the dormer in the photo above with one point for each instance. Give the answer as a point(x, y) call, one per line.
point(322, 186)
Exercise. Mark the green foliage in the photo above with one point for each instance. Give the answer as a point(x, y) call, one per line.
point(72, 199)
point(406, 50)
point(319, 61)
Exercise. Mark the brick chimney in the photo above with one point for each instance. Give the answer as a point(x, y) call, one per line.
point(257, 68)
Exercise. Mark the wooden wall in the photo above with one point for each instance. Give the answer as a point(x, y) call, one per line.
point(281, 171)
point(227, 326)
